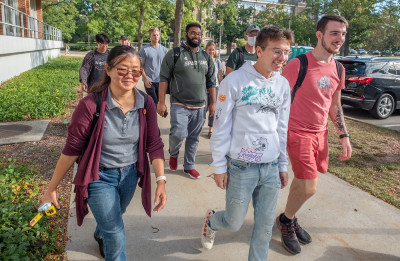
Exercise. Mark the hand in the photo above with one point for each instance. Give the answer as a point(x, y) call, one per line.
point(284, 178)
point(221, 180)
point(161, 109)
point(84, 88)
point(147, 82)
point(50, 196)
point(161, 197)
point(346, 146)
point(211, 109)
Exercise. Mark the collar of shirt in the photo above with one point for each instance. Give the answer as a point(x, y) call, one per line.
point(139, 102)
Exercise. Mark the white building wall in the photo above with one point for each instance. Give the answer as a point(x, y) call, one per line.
point(18, 55)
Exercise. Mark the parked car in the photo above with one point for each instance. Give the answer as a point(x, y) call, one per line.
point(352, 51)
point(362, 51)
point(376, 52)
point(373, 85)
point(387, 52)
point(397, 53)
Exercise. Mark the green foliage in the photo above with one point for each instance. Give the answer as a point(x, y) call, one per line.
point(122, 17)
point(234, 19)
point(62, 15)
point(19, 190)
point(82, 47)
point(41, 92)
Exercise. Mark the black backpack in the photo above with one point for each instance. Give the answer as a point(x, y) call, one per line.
point(177, 54)
point(303, 72)
point(240, 62)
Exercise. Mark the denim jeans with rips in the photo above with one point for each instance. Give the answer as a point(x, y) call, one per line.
point(108, 199)
point(246, 181)
point(185, 123)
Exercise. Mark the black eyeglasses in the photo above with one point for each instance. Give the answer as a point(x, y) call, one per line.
point(193, 33)
point(124, 72)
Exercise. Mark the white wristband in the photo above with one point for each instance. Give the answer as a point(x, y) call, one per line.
point(161, 178)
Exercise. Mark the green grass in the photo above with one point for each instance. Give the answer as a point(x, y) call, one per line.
point(86, 47)
point(374, 166)
point(40, 93)
point(19, 192)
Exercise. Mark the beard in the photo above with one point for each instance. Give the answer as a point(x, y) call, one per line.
point(191, 43)
point(328, 48)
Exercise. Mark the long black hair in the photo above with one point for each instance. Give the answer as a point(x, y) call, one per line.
point(116, 55)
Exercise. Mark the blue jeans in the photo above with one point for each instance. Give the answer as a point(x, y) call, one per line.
point(108, 199)
point(246, 181)
point(185, 123)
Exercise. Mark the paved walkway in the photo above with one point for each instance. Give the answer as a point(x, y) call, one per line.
point(345, 222)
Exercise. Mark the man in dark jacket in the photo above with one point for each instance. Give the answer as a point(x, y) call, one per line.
point(188, 77)
point(92, 68)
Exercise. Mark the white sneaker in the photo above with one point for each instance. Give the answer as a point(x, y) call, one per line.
point(207, 234)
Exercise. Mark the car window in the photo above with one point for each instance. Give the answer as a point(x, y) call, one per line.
point(397, 67)
point(377, 67)
point(354, 68)
point(392, 69)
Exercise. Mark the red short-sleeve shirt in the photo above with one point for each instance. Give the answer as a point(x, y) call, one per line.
point(310, 108)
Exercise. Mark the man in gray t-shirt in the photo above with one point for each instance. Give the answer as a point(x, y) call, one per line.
point(152, 55)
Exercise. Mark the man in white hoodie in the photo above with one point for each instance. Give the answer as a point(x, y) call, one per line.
point(249, 142)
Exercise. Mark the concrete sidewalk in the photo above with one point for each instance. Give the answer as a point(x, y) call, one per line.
point(345, 222)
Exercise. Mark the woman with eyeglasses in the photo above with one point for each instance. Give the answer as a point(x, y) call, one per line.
point(112, 149)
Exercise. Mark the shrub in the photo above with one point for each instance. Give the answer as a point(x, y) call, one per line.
point(41, 92)
point(19, 190)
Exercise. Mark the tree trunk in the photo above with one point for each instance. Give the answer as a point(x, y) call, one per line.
point(344, 51)
point(228, 48)
point(178, 22)
point(140, 29)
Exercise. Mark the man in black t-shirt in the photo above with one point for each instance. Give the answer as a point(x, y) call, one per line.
point(93, 65)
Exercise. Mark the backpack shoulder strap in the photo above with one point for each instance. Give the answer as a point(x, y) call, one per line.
point(207, 56)
point(240, 62)
point(339, 69)
point(302, 73)
point(146, 97)
point(97, 100)
point(177, 53)
point(96, 115)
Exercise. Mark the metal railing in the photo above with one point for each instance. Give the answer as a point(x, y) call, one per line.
point(13, 22)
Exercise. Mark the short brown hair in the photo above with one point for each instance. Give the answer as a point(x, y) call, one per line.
point(321, 26)
point(152, 29)
point(273, 33)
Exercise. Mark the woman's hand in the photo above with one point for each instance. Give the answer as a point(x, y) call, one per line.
point(63, 165)
point(50, 196)
point(160, 197)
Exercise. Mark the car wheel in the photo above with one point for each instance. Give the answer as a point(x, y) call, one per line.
point(384, 107)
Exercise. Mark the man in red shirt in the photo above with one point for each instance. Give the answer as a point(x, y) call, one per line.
point(307, 144)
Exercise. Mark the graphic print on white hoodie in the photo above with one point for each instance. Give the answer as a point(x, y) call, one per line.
point(251, 119)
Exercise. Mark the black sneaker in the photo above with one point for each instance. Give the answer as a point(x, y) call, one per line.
point(301, 234)
point(288, 236)
point(101, 246)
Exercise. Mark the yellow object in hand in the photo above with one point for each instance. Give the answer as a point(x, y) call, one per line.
point(45, 209)
point(36, 219)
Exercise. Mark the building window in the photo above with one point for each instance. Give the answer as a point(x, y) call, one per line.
point(12, 18)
